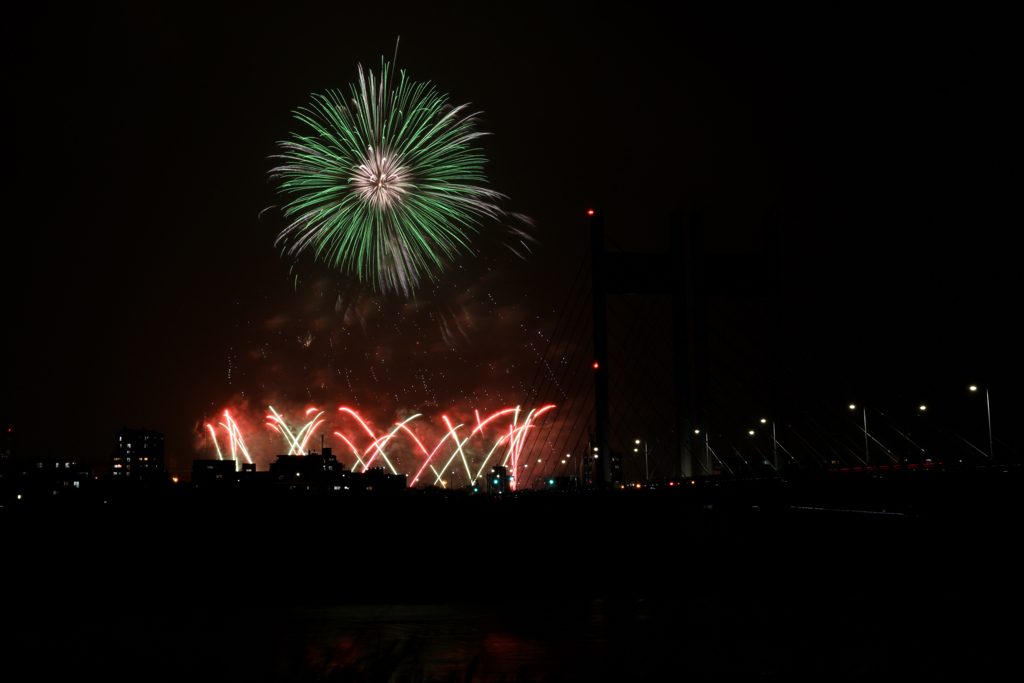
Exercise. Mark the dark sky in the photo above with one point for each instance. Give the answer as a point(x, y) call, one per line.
point(137, 276)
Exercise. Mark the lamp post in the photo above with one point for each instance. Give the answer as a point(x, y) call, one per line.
point(988, 411)
point(921, 411)
point(865, 412)
point(697, 431)
point(775, 444)
point(647, 471)
point(750, 432)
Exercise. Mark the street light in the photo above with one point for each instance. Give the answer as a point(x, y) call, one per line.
point(988, 411)
point(647, 471)
point(707, 449)
point(865, 411)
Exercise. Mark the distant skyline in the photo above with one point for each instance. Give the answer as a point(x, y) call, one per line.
point(142, 289)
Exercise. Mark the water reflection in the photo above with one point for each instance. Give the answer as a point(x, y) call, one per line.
point(577, 640)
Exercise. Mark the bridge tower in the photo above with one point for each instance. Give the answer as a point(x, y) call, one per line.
point(690, 275)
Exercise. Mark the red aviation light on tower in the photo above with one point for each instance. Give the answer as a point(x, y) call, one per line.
point(590, 212)
point(596, 365)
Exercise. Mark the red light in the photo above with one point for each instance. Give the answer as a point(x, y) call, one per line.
point(595, 365)
point(590, 212)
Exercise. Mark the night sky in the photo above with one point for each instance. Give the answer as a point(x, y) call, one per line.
point(141, 289)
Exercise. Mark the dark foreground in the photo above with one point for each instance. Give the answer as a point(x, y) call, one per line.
point(569, 587)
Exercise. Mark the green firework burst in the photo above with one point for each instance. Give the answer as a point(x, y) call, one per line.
point(388, 185)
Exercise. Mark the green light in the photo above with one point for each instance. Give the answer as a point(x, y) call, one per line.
point(388, 184)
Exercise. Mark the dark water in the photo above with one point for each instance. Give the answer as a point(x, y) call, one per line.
point(647, 595)
point(563, 640)
point(848, 632)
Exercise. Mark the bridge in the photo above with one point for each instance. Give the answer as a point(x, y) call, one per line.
point(671, 366)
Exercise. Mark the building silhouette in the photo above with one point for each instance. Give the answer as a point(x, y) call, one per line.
point(138, 454)
point(307, 470)
point(206, 472)
point(313, 472)
point(377, 479)
point(499, 480)
point(43, 479)
point(8, 445)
